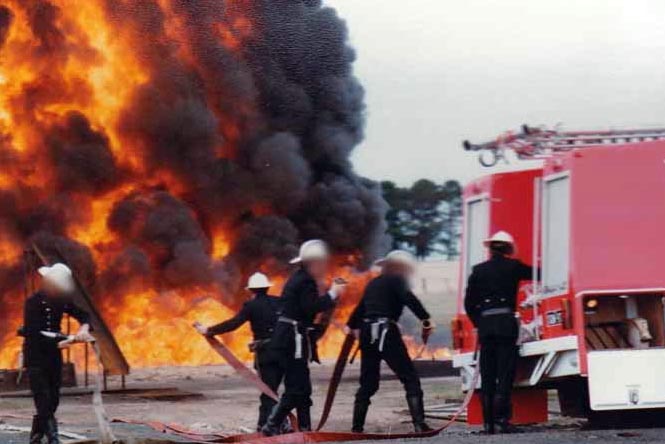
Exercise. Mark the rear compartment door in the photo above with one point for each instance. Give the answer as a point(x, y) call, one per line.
point(475, 231)
point(627, 379)
point(556, 234)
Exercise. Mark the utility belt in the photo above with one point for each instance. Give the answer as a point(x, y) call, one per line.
point(379, 330)
point(496, 311)
point(300, 338)
point(257, 344)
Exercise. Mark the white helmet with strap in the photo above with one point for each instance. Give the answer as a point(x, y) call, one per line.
point(398, 257)
point(314, 249)
point(500, 236)
point(257, 281)
point(60, 276)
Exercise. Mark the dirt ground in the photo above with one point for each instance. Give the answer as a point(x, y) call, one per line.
point(213, 398)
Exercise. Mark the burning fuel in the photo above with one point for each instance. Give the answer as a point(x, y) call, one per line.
point(169, 148)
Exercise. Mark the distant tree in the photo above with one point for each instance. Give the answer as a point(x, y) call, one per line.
point(424, 217)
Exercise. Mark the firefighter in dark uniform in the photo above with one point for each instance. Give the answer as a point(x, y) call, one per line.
point(374, 322)
point(261, 312)
point(42, 357)
point(490, 303)
point(293, 339)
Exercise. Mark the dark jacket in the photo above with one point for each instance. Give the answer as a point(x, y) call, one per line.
point(385, 297)
point(300, 302)
point(494, 284)
point(261, 313)
point(42, 313)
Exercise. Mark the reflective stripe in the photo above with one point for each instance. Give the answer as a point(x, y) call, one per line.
point(298, 335)
point(496, 311)
point(379, 330)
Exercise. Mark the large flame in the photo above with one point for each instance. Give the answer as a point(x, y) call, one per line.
point(74, 80)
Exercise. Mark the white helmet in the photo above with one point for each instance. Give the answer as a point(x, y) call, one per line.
point(399, 257)
point(258, 280)
point(59, 275)
point(311, 250)
point(500, 236)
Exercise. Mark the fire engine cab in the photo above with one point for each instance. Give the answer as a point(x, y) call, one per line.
point(592, 217)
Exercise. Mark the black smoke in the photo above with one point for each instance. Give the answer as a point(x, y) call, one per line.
point(257, 136)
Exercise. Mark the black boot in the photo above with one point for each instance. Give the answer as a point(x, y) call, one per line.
point(52, 431)
point(359, 414)
point(304, 419)
point(264, 413)
point(286, 427)
point(488, 414)
point(37, 431)
point(417, 410)
point(503, 413)
point(274, 423)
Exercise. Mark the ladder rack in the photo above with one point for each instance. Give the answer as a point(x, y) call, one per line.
point(538, 142)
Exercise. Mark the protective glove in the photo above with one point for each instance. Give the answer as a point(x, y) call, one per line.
point(83, 334)
point(202, 329)
point(337, 288)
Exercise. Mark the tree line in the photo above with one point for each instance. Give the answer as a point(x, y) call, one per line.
point(425, 218)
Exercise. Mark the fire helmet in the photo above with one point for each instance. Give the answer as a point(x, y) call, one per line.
point(59, 275)
point(258, 280)
point(312, 250)
point(500, 236)
point(398, 257)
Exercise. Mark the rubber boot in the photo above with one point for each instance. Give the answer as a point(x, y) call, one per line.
point(488, 414)
point(273, 425)
point(37, 431)
point(264, 413)
point(52, 431)
point(503, 413)
point(304, 418)
point(287, 427)
point(417, 410)
point(359, 414)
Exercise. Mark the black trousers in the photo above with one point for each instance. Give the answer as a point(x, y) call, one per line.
point(45, 377)
point(498, 358)
point(271, 372)
point(396, 356)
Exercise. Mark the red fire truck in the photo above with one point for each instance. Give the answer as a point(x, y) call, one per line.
point(592, 217)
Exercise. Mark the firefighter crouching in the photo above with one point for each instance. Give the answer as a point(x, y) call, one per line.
point(490, 302)
point(43, 313)
point(374, 321)
point(261, 312)
point(292, 341)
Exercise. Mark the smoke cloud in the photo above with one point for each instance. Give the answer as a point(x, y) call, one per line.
point(242, 122)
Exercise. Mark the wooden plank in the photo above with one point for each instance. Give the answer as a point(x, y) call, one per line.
point(112, 357)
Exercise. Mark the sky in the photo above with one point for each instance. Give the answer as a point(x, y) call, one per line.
point(437, 72)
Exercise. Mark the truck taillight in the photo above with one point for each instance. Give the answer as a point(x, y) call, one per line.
point(567, 315)
point(457, 329)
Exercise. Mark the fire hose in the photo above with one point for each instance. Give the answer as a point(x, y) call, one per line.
point(307, 437)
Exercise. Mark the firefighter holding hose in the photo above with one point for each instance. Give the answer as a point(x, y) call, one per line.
point(42, 346)
point(261, 312)
point(374, 321)
point(490, 302)
point(292, 339)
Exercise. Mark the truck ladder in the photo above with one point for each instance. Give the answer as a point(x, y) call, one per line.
point(539, 142)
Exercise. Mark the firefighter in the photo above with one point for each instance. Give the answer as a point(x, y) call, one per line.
point(43, 359)
point(374, 322)
point(301, 302)
point(261, 312)
point(490, 303)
